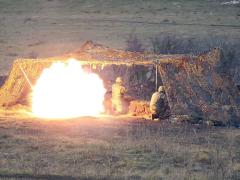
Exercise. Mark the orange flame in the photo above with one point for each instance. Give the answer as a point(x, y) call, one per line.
point(67, 91)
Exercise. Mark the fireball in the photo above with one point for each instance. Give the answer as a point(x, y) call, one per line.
point(65, 90)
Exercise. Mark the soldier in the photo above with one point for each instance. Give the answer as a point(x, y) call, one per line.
point(159, 104)
point(118, 91)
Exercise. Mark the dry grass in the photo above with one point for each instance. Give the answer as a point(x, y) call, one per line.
point(116, 148)
point(43, 28)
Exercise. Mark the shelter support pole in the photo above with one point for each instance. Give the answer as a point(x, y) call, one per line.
point(25, 75)
point(156, 77)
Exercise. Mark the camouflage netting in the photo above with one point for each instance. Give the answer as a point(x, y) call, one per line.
point(137, 70)
point(194, 85)
point(16, 89)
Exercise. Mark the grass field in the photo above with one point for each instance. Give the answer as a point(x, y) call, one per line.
point(41, 28)
point(111, 147)
point(116, 148)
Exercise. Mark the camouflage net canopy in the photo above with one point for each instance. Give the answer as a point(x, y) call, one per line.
point(194, 85)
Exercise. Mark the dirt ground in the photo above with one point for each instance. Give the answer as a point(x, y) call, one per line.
point(120, 147)
point(43, 28)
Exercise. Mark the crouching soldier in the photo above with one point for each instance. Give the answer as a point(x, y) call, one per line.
point(118, 91)
point(159, 106)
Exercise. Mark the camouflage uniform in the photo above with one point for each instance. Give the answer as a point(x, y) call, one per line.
point(118, 90)
point(159, 104)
